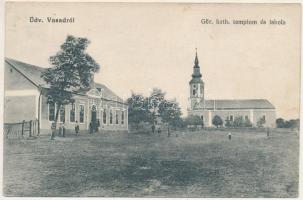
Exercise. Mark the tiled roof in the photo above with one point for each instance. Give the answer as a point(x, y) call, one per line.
point(33, 73)
point(219, 104)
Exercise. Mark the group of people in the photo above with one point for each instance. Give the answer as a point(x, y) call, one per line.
point(62, 129)
point(94, 126)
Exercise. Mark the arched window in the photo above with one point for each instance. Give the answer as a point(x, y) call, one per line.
point(104, 116)
point(194, 92)
point(110, 117)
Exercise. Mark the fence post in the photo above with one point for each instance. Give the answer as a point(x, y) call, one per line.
point(22, 130)
point(30, 128)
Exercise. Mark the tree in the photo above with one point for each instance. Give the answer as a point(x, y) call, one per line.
point(138, 109)
point(228, 123)
point(170, 113)
point(238, 122)
point(217, 121)
point(280, 123)
point(71, 70)
point(193, 120)
point(293, 123)
point(261, 122)
point(156, 98)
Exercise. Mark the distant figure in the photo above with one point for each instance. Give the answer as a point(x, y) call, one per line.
point(229, 136)
point(53, 129)
point(90, 128)
point(63, 129)
point(98, 125)
point(60, 130)
point(267, 132)
point(77, 128)
point(153, 128)
point(159, 131)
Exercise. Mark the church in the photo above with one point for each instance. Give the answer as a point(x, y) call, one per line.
point(252, 110)
point(25, 100)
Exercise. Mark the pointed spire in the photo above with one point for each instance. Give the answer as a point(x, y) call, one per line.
point(196, 59)
point(196, 73)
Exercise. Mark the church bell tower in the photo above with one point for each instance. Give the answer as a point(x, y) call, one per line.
point(196, 86)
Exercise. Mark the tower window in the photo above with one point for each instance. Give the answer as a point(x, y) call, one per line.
point(194, 92)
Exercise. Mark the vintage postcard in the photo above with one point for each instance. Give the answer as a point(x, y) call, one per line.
point(151, 100)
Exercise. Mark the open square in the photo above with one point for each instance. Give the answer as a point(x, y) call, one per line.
point(190, 164)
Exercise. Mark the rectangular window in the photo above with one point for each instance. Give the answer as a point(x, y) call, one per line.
point(104, 116)
point(81, 113)
point(51, 111)
point(110, 117)
point(62, 114)
point(264, 118)
point(246, 117)
point(231, 118)
point(72, 113)
point(122, 117)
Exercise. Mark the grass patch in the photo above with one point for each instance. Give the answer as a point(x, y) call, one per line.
point(194, 164)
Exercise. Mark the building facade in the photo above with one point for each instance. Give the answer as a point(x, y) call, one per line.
point(25, 99)
point(252, 110)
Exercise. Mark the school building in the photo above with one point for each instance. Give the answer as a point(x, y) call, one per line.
point(25, 99)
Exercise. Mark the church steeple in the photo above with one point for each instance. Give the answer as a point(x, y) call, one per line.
point(196, 85)
point(196, 73)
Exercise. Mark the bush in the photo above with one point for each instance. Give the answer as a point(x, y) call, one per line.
point(217, 121)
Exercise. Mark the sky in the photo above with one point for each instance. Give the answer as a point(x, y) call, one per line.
point(142, 46)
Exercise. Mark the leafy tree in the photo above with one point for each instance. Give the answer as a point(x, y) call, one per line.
point(247, 123)
point(138, 109)
point(261, 122)
point(217, 121)
point(193, 120)
point(280, 123)
point(156, 98)
point(228, 123)
point(238, 122)
point(71, 70)
point(293, 123)
point(170, 113)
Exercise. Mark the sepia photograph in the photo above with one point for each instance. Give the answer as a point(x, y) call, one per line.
point(162, 100)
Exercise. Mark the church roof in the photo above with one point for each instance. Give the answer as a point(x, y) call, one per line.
point(230, 104)
point(33, 74)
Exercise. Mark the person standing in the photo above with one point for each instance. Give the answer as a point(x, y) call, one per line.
point(63, 129)
point(53, 129)
point(267, 132)
point(153, 128)
point(229, 136)
point(90, 128)
point(77, 128)
point(98, 125)
point(159, 131)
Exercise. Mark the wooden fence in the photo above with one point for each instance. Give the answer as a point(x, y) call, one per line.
point(22, 130)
